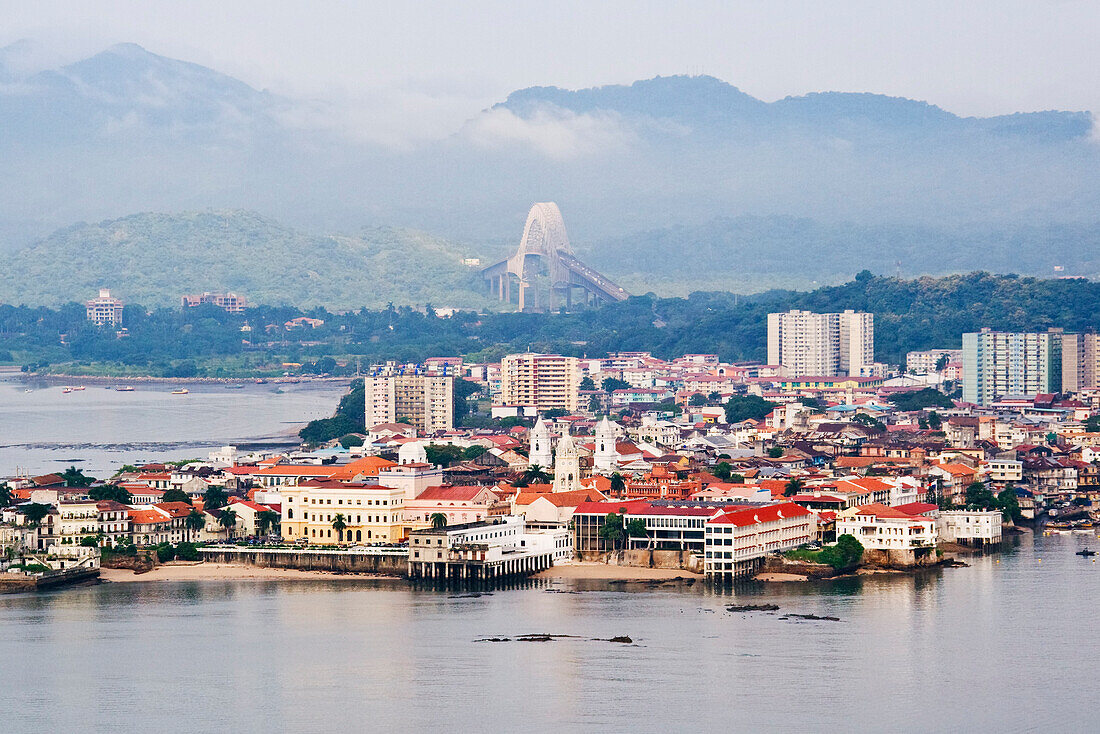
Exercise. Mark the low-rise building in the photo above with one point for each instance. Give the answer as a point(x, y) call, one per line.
point(736, 540)
point(970, 527)
point(879, 527)
point(369, 513)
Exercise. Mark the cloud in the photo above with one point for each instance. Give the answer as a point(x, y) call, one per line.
point(553, 132)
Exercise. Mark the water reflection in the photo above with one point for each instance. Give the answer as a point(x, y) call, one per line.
point(924, 652)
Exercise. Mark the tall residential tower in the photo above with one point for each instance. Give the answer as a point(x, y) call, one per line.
point(821, 344)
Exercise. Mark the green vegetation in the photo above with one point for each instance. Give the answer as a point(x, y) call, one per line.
point(438, 520)
point(914, 314)
point(153, 259)
point(613, 530)
point(443, 455)
point(349, 418)
point(214, 498)
point(35, 512)
point(844, 555)
point(75, 478)
point(111, 492)
point(929, 397)
point(750, 407)
point(175, 494)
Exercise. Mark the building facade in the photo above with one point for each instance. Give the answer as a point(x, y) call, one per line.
point(231, 302)
point(104, 309)
point(999, 363)
point(369, 513)
point(921, 363)
point(426, 400)
point(1080, 361)
point(542, 381)
point(825, 344)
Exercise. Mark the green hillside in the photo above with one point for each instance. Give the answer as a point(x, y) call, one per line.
point(153, 259)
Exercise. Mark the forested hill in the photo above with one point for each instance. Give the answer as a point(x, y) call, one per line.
point(909, 314)
point(153, 259)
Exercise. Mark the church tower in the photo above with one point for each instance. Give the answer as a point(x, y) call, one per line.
point(605, 457)
point(567, 465)
point(540, 452)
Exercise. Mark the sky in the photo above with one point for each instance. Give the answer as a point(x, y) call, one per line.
point(420, 69)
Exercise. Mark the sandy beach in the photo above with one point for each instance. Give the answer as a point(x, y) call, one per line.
point(223, 572)
point(614, 573)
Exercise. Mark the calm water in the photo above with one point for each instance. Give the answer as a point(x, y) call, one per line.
point(44, 430)
point(1004, 645)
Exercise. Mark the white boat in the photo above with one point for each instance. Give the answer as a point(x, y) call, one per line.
point(66, 390)
point(180, 391)
point(124, 388)
point(79, 388)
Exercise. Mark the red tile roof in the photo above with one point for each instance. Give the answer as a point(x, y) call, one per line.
point(743, 517)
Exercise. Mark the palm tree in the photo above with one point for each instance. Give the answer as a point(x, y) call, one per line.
point(266, 520)
point(214, 498)
point(194, 522)
point(618, 484)
point(228, 520)
point(438, 520)
point(793, 487)
point(339, 525)
point(535, 474)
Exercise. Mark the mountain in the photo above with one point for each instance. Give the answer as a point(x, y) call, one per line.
point(660, 181)
point(153, 259)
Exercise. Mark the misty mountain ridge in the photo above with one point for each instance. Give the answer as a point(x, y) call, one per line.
point(661, 181)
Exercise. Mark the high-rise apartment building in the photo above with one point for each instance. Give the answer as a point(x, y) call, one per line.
point(105, 309)
point(426, 400)
point(231, 302)
point(1080, 361)
point(821, 344)
point(921, 363)
point(543, 381)
point(999, 363)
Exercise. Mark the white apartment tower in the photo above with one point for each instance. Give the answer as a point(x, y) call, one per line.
point(542, 381)
point(998, 363)
point(821, 344)
point(427, 401)
point(105, 309)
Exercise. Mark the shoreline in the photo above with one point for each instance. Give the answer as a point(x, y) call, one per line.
point(605, 572)
point(204, 571)
point(249, 379)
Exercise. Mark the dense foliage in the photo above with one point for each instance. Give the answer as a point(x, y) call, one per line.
point(929, 397)
point(909, 314)
point(747, 407)
point(349, 417)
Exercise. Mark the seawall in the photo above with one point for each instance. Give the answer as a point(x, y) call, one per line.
point(380, 562)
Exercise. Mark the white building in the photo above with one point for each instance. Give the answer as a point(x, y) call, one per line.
point(921, 363)
point(605, 459)
point(105, 309)
point(542, 381)
point(425, 400)
point(1005, 470)
point(970, 527)
point(879, 527)
point(823, 345)
point(998, 363)
point(735, 541)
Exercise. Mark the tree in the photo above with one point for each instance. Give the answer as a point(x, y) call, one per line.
point(1009, 504)
point(737, 478)
point(611, 384)
point(228, 520)
point(6, 495)
point(793, 487)
point(935, 422)
point(865, 420)
point(266, 520)
point(75, 478)
point(444, 455)
point(775, 452)
point(35, 513)
point(472, 452)
point(714, 396)
point(941, 364)
point(175, 494)
point(723, 470)
point(587, 384)
point(980, 497)
point(612, 529)
point(535, 474)
point(844, 555)
point(636, 528)
point(438, 520)
point(110, 492)
point(1092, 424)
point(697, 399)
point(339, 525)
point(187, 552)
point(194, 522)
point(747, 407)
point(350, 440)
point(214, 498)
point(618, 484)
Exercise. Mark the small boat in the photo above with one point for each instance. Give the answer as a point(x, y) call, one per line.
point(79, 388)
point(234, 387)
point(124, 388)
point(1086, 552)
point(66, 390)
point(1059, 526)
point(180, 391)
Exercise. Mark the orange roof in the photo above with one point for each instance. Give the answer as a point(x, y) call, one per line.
point(461, 493)
point(958, 469)
point(147, 517)
point(368, 466)
point(175, 509)
point(298, 470)
point(561, 499)
point(882, 511)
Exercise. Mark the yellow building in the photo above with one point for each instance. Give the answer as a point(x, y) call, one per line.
point(543, 381)
point(371, 514)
